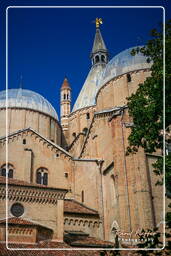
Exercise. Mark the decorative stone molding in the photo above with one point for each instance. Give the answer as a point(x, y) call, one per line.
point(20, 231)
point(32, 195)
point(52, 146)
point(82, 222)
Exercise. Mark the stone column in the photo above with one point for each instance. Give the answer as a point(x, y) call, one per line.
point(59, 232)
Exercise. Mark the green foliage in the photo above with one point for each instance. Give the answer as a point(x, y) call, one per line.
point(158, 169)
point(146, 109)
point(149, 239)
point(146, 105)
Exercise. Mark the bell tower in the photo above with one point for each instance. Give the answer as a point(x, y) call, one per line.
point(65, 103)
point(99, 53)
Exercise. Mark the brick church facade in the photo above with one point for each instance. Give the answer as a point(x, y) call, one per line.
point(70, 182)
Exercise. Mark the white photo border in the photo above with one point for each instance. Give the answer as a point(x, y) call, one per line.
point(7, 132)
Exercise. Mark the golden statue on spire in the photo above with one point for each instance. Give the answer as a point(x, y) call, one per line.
point(98, 22)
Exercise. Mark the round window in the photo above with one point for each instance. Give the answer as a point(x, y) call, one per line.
point(17, 209)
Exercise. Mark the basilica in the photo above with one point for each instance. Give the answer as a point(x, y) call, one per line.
point(70, 182)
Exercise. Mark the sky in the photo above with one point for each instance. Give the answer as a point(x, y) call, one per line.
point(45, 45)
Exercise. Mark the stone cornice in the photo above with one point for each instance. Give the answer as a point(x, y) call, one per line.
point(96, 160)
point(79, 221)
point(113, 112)
point(32, 194)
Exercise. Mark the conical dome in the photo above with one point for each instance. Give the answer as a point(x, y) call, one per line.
point(98, 44)
point(91, 85)
point(65, 84)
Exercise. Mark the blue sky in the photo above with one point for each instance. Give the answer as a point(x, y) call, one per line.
point(45, 45)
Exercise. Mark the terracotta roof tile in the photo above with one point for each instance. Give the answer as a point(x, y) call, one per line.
point(17, 182)
point(18, 221)
point(5, 252)
point(72, 206)
point(92, 242)
point(21, 221)
point(13, 181)
point(65, 84)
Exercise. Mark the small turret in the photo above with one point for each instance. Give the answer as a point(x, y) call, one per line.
point(99, 58)
point(65, 104)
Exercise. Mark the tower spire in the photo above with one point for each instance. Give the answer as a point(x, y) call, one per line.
point(99, 53)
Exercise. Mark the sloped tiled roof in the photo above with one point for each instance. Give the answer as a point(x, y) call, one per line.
point(17, 221)
point(21, 222)
point(92, 242)
point(46, 244)
point(17, 182)
point(65, 84)
point(72, 206)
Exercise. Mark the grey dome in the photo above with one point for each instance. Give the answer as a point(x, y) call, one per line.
point(124, 62)
point(98, 76)
point(21, 98)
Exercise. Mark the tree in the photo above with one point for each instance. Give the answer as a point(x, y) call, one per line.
point(146, 105)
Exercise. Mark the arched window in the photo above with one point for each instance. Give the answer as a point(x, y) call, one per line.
point(42, 176)
point(85, 130)
point(67, 96)
point(64, 96)
point(74, 134)
point(128, 78)
point(103, 58)
point(7, 169)
point(3, 172)
point(82, 196)
point(10, 173)
point(87, 115)
point(97, 59)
